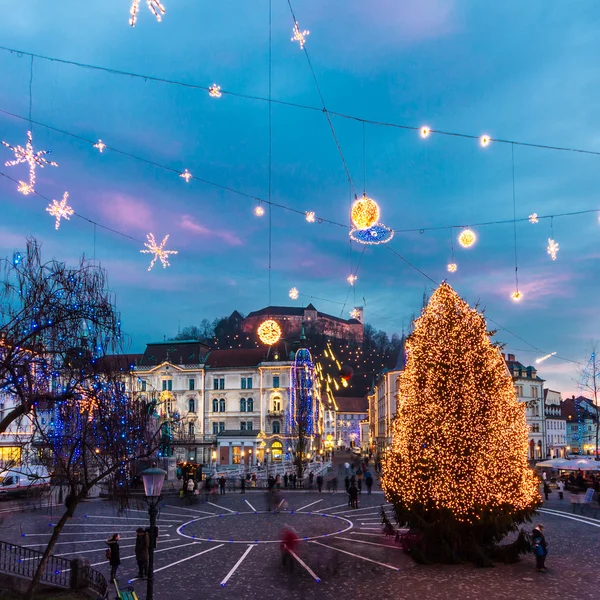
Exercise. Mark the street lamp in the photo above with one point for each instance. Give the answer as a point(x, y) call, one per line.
point(214, 459)
point(153, 484)
point(267, 460)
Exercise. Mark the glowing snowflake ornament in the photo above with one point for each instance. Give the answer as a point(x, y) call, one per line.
point(186, 175)
point(351, 279)
point(452, 267)
point(154, 6)
point(60, 210)
point(533, 218)
point(33, 159)
point(100, 145)
point(299, 36)
point(158, 251)
point(552, 248)
point(214, 91)
point(294, 293)
point(310, 216)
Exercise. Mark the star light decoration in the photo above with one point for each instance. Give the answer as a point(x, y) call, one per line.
point(355, 313)
point(60, 210)
point(186, 175)
point(294, 293)
point(214, 91)
point(452, 267)
point(33, 159)
point(100, 145)
point(154, 6)
point(299, 36)
point(269, 332)
point(552, 248)
point(533, 218)
point(310, 216)
point(351, 279)
point(158, 251)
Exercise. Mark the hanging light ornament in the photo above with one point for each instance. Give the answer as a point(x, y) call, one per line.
point(60, 210)
point(294, 293)
point(425, 131)
point(533, 218)
point(517, 296)
point(467, 238)
point(299, 36)
point(355, 313)
point(259, 211)
point(364, 215)
point(158, 251)
point(351, 279)
point(214, 91)
point(552, 248)
point(186, 175)
point(485, 140)
point(310, 216)
point(153, 5)
point(100, 145)
point(452, 267)
point(269, 332)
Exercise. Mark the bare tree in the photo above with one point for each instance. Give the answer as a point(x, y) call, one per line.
point(589, 382)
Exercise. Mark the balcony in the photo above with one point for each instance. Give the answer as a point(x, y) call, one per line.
point(275, 413)
point(186, 439)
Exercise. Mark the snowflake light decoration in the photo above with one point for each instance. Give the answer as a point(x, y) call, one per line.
point(533, 218)
point(60, 210)
point(154, 6)
point(351, 279)
point(158, 251)
point(299, 36)
point(294, 293)
point(354, 313)
point(310, 216)
point(452, 267)
point(186, 175)
point(214, 91)
point(552, 248)
point(33, 159)
point(100, 145)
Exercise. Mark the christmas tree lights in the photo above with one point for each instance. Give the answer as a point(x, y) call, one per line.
point(60, 210)
point(457, 470)
point(154, 6)
point(158, 251)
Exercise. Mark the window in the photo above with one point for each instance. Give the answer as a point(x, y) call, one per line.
point(277, 451)
point(519, 390)
point(221, 426)
point(222, 405)
point(248, 383)
point(167, 385)
point(277, 404)
point(243, 383)
point(250, 405)
point(276, 427)
point(242, 425)
point(191, 384)
point(191, 429)
point(237, 453)
point(249, 426)
point(222, 383)
point(215, 405)
point(242, 404)
point(164, 385)
point(215, 384)
point(534, 391)
point(143, 385)
point(275, 381)
point(215, 427)
point(192, 405)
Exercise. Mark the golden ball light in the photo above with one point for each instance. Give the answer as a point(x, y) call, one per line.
point(364, 213)
point(467, 238)
point(269, 332)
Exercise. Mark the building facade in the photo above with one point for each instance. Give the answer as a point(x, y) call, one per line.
point(350, 412)
point(581, 416)
point(555, 425)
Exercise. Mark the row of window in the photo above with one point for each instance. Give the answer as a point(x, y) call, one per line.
point(246, 405)
point(534, 391)
point(218, 384)
point(218, 427)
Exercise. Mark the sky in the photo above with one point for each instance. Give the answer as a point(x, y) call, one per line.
point(516, 71)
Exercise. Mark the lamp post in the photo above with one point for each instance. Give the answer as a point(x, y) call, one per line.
point(214, 460)
point(267, 460)
point(153, 484)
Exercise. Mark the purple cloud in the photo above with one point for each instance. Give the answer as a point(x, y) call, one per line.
point(127, 212)
point(188, 223)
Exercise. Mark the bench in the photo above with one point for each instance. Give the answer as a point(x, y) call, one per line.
point(583, 501)
point(128, 594)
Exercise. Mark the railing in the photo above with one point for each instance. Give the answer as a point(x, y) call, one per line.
point(94, 580)
point(24, 562)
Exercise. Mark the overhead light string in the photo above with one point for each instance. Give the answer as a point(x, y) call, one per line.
point(270, 142)
point(31, 94)
point(516, 295)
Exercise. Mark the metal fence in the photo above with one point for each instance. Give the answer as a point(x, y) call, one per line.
point(94, 580)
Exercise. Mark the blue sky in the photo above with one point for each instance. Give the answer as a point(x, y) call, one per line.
point(522, 71)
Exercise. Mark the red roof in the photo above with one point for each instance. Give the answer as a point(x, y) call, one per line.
point(352, 405)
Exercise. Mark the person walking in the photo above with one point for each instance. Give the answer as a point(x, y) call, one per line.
point(142, 546)
point(253, 480)
point(113, 554)
point(243, 485)
point(289, 541)
point(311, 478)
point(547, 489)
point(285, 480)
point(353, 496)
point(334, 485)
point(347, 484)
point(561, 489)
point(190, 487)
point(270, 482)
point(222, 484)
point(369, 481)
point(319, 483)
point(540, 547)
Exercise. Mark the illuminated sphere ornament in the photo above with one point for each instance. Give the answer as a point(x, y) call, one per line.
point(259, 211)
point(425, 131)
point(485, 140)
point(467, 238)
point(269, 332)
point(452, 267)
point(516, 296)
point(294, 293)
point(364, 213)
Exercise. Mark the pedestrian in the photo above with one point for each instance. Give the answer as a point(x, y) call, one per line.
point(353, 496)
point(293, 476)
point(561, 489)
point(243, 485)
point(289, 541)
point(222, 484)
point(369, 481)
point(253, 480)
point(544, 475)
point(270, 482)
point(334, 485)
point(347, 483)
point(285, 480)
point(540, 547)
point(190, 486)
point(311, 478)
point(277, 481)
point(113, 555)
point(319, 482)
point(547, 489)
point(142, 546)
point(359, 478)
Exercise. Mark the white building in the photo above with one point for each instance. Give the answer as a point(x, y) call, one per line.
point(555, 425)
point(16, 442)
point(529, 389)
point(350, 413)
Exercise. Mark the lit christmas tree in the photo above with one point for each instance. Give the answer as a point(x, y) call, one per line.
point(457, 471)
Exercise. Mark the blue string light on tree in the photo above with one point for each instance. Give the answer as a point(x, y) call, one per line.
point(365, 218)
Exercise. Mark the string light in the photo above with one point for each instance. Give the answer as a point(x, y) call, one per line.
point(33, 159)
point(269, 332)
point(552, 248)
point(100, 145)
point(158, 251)
point(186, 175)
point(533, 218)
point(467, 238)
point(485, 140)
point(299, 36)
point(443, 469)
point(60, 210)
point(425, 131)
point(517, 295)
point(452, 267)
point(310, 216)
point(351, 279)
point(364, 212)
point(259, 211)
point(376, 234)
point(153, 5)
point(294, 294)
point(214, 91)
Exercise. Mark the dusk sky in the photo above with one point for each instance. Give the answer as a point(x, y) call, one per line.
point(522, 71)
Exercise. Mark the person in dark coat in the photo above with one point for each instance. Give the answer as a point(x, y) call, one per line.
point(369, 481)
point(547, 489)
point(311, 478)
point(222, 485)
point(353, 496)
point(115, 554)
point(347, 483)
point(319, 483)
point(271, 482)
point(285, 480)
point(243, 486)
point(540, 547)
point(142, 545)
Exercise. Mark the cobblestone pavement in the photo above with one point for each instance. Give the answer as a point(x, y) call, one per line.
point(234, 541)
